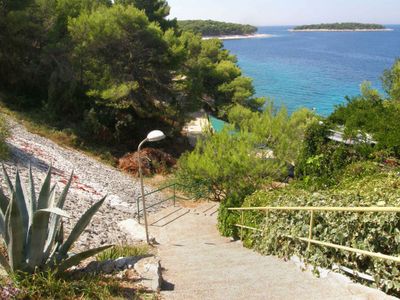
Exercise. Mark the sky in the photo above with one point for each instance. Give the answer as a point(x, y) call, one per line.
point(288, 12)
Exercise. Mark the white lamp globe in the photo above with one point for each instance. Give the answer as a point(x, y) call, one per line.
point(155, 136)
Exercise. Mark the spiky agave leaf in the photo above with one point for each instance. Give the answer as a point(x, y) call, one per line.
point(63, 197)
point(55, 220)
point(58, 241)
point(2, 224)
point(54, 210)
point(77, 258)
point(44, 194)
point(3, 202)
point(8, 180)
point(38, 235)
point(3, 209)
point(33, 200)
point(78, 229)
point(16, 238)
point(40, 222)
point(22, 205)
point(6, 224)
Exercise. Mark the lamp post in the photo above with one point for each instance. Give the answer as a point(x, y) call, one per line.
point(153, 136)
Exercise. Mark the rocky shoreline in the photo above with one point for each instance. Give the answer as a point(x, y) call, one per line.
point(339, 30)
point(239, 37)
point(92, 181)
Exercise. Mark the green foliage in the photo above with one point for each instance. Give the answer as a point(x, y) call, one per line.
point(215, 28)
point(322, 161)
point(230, 165)
point(4, 151)
point(341, 26)
point(118, 251)
point(21, 36)
point(363, 184)
point(51, 285)
point(391, 81)
point(222, 164)
point(371, 114)
point(277, 130)
point(32, 228)
point(212, 76)
point(132, 79)
point(156, 11)
point(106, 70)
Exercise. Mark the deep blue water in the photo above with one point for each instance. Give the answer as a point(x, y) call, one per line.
point(315, 69)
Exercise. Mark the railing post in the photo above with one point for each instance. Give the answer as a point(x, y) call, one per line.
point(174, 193)
point(241, 228)
point(266, 218)
point(310, 229)
point(138, 209)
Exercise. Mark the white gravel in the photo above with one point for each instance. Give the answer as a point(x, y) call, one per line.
point(92, 181)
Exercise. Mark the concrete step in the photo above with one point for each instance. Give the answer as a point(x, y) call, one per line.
point(168, 216)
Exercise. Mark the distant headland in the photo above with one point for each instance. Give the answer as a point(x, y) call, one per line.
point(341, 27)
point(210, 29)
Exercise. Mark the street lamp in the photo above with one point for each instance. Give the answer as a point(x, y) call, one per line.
point(153, 136)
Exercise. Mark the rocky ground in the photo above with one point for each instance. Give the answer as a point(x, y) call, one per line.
point(92, 180)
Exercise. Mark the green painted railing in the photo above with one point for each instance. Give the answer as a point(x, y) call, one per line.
point(174, 197)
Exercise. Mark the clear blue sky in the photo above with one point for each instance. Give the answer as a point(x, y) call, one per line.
point(288, 12)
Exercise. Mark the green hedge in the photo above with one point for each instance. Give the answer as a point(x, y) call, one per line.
point(377, 232)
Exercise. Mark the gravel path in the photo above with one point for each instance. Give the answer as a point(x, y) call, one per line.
point(92, 181)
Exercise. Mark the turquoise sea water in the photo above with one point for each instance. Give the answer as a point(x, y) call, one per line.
point(315, 69)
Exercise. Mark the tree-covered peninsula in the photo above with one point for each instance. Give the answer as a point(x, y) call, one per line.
point(216, 28)
point(340, 27)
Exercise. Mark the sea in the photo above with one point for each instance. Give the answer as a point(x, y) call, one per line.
point(316, 70)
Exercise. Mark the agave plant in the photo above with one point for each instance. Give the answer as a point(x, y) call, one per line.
point(32, 227)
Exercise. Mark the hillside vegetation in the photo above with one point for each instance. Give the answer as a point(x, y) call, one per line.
point(107, 72)
point(216, 28)
point(341, 26)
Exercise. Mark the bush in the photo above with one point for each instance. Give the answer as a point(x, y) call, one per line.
point(376, 232)
point(322, 161)
point(232, 164)
point(371, 114)
point(4, 151)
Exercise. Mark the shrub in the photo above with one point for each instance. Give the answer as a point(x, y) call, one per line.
point(376, 232)
point(372, 114)
point(322, 161)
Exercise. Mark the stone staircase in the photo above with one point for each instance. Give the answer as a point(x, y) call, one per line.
point(200, 264)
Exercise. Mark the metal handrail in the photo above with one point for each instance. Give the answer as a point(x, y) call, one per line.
point(322, 208)
point(174, 197)
point(312, 210)
point(158, 190)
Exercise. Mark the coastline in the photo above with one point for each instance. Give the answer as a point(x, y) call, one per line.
point(239, 37)
point(339, 30)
